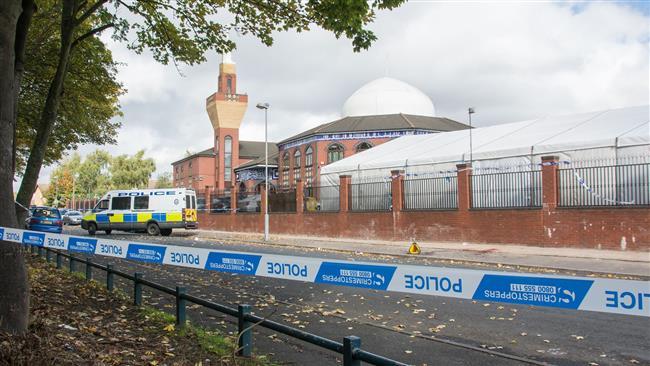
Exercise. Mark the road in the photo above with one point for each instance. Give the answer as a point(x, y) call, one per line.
point(421, 330)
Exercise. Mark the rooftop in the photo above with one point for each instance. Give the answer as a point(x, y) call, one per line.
point(385, 122)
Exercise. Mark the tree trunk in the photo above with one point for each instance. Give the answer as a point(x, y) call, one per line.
point(50, 111)
point(14, 302)
point(22, 28)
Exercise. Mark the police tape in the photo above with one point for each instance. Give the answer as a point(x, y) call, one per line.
point(627, 297)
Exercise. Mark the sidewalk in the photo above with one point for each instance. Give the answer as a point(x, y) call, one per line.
point(567, 259)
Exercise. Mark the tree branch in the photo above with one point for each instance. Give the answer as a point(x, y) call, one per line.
point(92, 33)
point(90, 11)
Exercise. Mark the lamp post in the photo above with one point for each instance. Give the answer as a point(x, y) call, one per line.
point(265, 107)
point(470, 111)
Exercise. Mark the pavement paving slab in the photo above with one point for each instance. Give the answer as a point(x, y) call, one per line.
point(618, 262)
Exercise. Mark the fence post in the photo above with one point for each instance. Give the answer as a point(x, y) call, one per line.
point(137, 289)
point(233, 199)
point(245, 331)
point(464, 181)
point(59, 260)
point(72, 264)
point(263, 188)
point(48, 255)
point(350, 344)
point(89, 269)
point(344, 193)
point(300, 196)
point(181, 317)
point(397, 194)
point(208, 200)
point(109, 277)
point(549, 181)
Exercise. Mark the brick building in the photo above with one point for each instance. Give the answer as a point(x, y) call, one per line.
point(379, 111)
point(213, 169)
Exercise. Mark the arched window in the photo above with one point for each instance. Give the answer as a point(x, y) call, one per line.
point(309, 163)
point(363, 146)
point(227, 159)
point(296, 165)
point(334, 153)
point(229, 85)
point(285, 169)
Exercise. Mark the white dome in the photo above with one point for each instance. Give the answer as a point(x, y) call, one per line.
point(388, 96)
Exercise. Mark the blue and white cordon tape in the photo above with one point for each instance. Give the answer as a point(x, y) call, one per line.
point(566, 292)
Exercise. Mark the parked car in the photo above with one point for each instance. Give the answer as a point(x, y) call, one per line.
point(63, 211)
point(44, 219)
point(72, 217)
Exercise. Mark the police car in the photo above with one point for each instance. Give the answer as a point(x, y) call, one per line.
point(154, 211)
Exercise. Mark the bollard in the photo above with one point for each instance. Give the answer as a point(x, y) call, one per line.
point(71, 264)
point(137, 289)
point(48, 255)
point(59, 261)
point(350, 344)
point(89, 269)
point(245, 331)
point(181, 316)
point(109, 277)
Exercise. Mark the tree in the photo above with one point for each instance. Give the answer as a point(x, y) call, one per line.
point(93, 176)
point(14, 302)
point(90, 100)
point(164, 180)
point(63, 182)
point(129, 172)
point(174, 30)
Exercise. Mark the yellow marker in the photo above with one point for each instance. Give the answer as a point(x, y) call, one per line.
point(414, 248)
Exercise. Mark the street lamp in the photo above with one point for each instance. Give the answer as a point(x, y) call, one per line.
point(470, 111)
point(265, 107)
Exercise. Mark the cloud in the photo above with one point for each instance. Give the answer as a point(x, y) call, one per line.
point(511, 61)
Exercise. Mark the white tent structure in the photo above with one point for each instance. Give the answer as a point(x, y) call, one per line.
point(604, 138)
point(596, 138)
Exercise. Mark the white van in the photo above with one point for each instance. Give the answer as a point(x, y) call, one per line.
point(154, 211)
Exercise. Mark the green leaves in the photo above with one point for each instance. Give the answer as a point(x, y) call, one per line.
point(98, 173)
point(90, 93)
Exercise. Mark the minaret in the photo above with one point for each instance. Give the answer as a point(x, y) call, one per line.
point(226, 109)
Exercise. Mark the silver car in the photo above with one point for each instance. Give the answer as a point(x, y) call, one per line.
point(72, 218)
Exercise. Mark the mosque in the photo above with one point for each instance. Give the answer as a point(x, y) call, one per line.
point(379, 111)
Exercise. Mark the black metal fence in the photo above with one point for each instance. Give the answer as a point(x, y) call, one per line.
point(350, 349)
point(507, 190)
point(220, 201)
point(373, 196)
point(249, 201)
point(200, 202)
point(438, 193)
point(614, 185)
point(322, 198)
point(282, 200)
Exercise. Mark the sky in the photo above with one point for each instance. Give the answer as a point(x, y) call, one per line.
point(511, 61)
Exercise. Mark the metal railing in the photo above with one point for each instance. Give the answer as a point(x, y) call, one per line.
point(370, 196)
point(249, 201)
point(200, 202)
point(613, 185)
point(507, 190)
point(282, 200)
point(350, 349)
point(321, 198)
point(439, 193)
point(220, 201)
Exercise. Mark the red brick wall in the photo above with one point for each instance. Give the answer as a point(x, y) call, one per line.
point(601, 228)
point(580, 228)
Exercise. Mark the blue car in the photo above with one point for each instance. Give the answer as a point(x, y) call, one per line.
point(44, 219)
